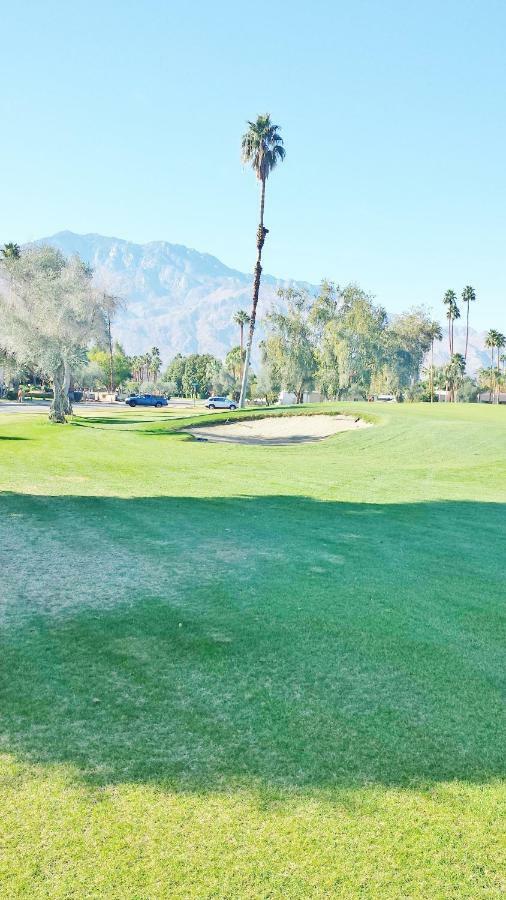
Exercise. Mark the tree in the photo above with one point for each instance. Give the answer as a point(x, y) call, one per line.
point(155, 363)
point(494, 340)
point(500, 343)
point(241, 319)
point(120, 365)
point(468, 297)
point(50, 315)
point(10, 251)
point(194, 375)
point(351, 349)
point(233, 362)
point(262, 147)
point(174, 373)
point(435, 334)
point(290, 345)
point(454, 374)
point(408, 337)
point(452, 313)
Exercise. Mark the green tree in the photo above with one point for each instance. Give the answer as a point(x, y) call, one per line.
point(155, 363)
point(11, 251)
point(194, 375)
point(408, 337)
point(174, 373)
point(262, 147)
point(52, 314)
point(454, 374)
point(352, 346)
point(435, 334)
point(468, 297)
point(233, 362)
point(290, 344)
point(493, 342)
point(115, 369)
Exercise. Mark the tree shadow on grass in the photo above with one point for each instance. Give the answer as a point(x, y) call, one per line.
point(13, 437)
point(269, 641)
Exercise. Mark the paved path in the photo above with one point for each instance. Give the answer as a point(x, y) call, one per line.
point(42, 406)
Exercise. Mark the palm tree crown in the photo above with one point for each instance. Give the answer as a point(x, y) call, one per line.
point(10, 251)
point(241, 317)
point(262, 146)
point(435, 332)
point(468, 295)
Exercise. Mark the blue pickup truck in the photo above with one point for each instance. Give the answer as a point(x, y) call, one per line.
point(146, 400)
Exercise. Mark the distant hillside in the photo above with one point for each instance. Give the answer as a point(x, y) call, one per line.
point(176, 299)
point(477, 355)
point(183, 301)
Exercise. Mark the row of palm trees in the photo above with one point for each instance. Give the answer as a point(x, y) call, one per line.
point(262, 148)
point(453, 313)
point(147, 367)
point(495, 341)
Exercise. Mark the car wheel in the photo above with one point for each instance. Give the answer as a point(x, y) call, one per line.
point(211, 406)
point(158, 405)
point(232, 406)
point(133, 403)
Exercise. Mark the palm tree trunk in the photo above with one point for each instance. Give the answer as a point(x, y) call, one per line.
point(432, 372)
point(256, 289)
point(241, 345)
point(467, 329)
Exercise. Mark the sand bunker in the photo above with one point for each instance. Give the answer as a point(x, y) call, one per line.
point(277, 429)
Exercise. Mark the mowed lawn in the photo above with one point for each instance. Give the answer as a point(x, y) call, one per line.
point(254, 672)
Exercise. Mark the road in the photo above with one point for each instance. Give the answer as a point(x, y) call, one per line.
point(81, 409)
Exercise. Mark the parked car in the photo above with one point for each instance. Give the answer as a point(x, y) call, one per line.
point(146, 400)
point(220, 403)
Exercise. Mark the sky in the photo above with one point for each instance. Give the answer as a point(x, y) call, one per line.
point(125, 119)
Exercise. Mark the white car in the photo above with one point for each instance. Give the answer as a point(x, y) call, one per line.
point(220, 403)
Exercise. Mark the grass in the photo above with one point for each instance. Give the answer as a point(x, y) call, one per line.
point(254, 672)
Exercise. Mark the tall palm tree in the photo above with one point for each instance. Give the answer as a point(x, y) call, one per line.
point(500, 343)
point(10, 251)
point(262, 147)
point(468, 297)
point(435, 334)
point(452, 313)
point(490, 343)
point(241, 319)
point(454, 372)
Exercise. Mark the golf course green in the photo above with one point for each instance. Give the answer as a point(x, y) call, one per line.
point(233, 671)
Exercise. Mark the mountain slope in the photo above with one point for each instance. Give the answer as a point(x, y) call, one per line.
point(183, 301)
point(175, 298)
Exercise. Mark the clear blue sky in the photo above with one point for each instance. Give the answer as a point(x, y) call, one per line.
point(125, 118)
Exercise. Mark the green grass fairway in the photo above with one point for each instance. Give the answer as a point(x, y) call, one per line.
point(254, 672)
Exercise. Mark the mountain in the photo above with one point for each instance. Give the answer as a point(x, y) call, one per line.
point(174, 298)
point(478, 357)
point(183, 301)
